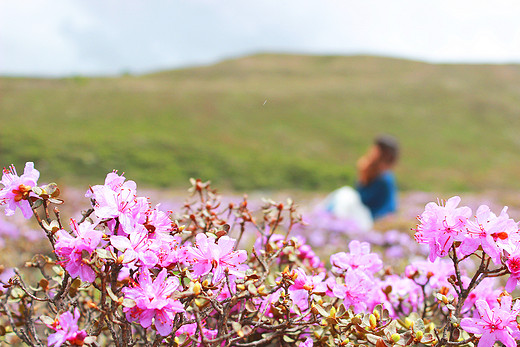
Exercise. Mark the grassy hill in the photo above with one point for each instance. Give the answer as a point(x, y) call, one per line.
point(270, 122)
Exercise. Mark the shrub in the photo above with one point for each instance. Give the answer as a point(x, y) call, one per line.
point(126, 274)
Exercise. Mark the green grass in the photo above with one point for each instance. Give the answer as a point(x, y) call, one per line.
point(459, 125)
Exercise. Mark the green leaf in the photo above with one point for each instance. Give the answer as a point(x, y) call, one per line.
point(17, 293)
point(46, 320)
point(52, 189)
point(53, 226)
point(37, 204)
point(89, 340)
point(419, 324)
point(104, 254)
point(128, 303)
point(76, 283)
point(252, 289)
point(55, 201)
point(372, 338)
point(321, 311)
point(37, 190)
point(111, 294)
point(250, 306)
point(288, 339)
point(236, 326)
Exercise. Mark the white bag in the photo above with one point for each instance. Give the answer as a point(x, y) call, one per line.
point(345, 203)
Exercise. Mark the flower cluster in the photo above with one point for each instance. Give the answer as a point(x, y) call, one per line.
point(129, 273)
point(443, 225)
point(448, 228)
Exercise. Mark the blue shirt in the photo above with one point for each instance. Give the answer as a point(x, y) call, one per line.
point(380, 195)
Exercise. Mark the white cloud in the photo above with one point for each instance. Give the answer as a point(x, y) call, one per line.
point(59, 37)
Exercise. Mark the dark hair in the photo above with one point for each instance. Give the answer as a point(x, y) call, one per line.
point(389, 148)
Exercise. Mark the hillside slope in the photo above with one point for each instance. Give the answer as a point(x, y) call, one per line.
point(270, 121)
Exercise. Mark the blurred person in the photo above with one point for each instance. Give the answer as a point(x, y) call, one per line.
point(376, 181)
point(375, 195)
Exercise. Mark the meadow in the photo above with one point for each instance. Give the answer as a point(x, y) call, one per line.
point(270, 122)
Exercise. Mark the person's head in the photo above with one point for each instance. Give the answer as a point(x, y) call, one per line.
point(382, 156)
point(388, 149)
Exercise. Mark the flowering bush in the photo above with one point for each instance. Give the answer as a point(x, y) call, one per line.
point(126, 274)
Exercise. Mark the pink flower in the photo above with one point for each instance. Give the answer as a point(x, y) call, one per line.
point(434, 275)
point(484, 291)
point(358, 258)
point(488, 231)
point(494, 324)
point(357, 289)
point(16, 189)
point(305, 252)
point(304, 286)
point(191, 330)
point(71, 249)
point(66, 327)
point(405, 294)
point(112, 181)
point(136, 247)
point(153, 301)
point(307, 343)
point(122, 204)
point(439, 226)
point(216, 257)
point(170, 252)
point(513, 265)
point(267, 302)
point(159, 224)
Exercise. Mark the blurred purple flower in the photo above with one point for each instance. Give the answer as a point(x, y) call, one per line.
point(358, 258)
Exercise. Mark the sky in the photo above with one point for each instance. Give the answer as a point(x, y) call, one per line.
point(107, 37)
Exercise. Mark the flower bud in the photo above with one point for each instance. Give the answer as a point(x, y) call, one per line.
point(419, 335)
point(332, 312)
point(396, 337)
point(373, 321)
point(197, 288)
point(430, 327)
